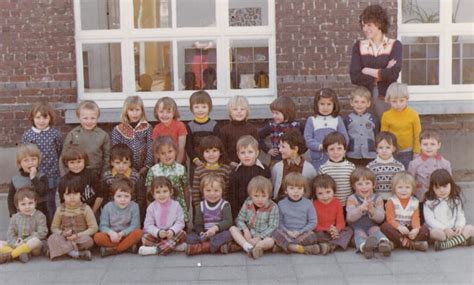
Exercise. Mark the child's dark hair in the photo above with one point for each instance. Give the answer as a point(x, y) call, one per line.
point(294, 138)
point(323, 181)
point(209, 142)
point(439, 178)
point(327, 93)
point(121, 151)
point(22, 193)
point(190, 81)
point(209, 77)
point(286, 106)
point(332, 138)
point(73, 152)
point(72, 185)
point(377, 15)
point(430, 135)
point(362, 173)
point(159, 181)
point(122, 183)
point(295, 179)
point(386, 136)
point(200, 97)
point(45, 110)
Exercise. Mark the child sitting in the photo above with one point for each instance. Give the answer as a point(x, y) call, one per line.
point(27, 229)
point(292, 148)
point(257, 219)
point(403, 226)
point(364, 213)
point(428, 161)
point(164, 222)
point(331, 226)
point(73, 224)
point(119, 221)
point(213, 219)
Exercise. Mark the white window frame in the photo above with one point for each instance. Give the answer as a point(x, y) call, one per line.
point(221, 33)
point(444, 30)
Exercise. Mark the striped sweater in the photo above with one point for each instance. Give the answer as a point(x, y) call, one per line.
point(223, 170)
point(340, 172)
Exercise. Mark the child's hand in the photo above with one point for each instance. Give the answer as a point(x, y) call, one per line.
point(273, 152)
point(449, 233)
point(293, 234)
point(198, 162)
point(391, 63)
point(169, 234)
point(403, 230)
point(67, 233)
point(364, 207)
point(114, 237)
point(333, 232)
point(413, 233)
point(33, 172)
point(211, 232)
point(162, 234)
point(72, 237)
point(143, 171)
point(370, 207)
point(458, 230)
point(234, 164)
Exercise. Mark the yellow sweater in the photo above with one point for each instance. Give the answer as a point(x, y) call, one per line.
point(405, 125)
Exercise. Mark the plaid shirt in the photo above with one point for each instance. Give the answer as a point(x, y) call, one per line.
point(262, 221)
point(26, 227)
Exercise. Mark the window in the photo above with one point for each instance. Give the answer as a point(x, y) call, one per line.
point(438, 48)
point(156, 48)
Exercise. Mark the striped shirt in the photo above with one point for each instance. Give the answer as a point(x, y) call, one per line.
point(340, 172)
point(384, 171)
point(223, 170)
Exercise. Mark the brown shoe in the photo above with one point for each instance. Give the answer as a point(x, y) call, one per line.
point(385, 247)
point(312, 249)
point(369, 246)
point(5, 257)
point(85, 255)
point(257, 252)
point(325, 248)
point(106, 251)
point(420, 245)
point(198, 248)
point(229, 247)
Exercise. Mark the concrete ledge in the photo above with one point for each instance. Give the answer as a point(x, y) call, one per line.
point(443, 107)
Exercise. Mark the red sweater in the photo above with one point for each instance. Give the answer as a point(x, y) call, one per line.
point(329, 214)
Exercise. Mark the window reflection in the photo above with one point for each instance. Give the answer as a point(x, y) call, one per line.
point(100, 15)
point(197, 65)
point(153, 66)
point(149, 14)
point(420, 60)
point(102, 67)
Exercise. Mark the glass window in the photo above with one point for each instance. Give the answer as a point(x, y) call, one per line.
point(248, 13)
point(153, 66)
point(197, 65)
point(420, 11)
point(192, 13)
point(149, 14)
point(420, 60)
point(249, 62)
point(463, 60)
point(100, 15)
point(463, 11)
point(102, 67)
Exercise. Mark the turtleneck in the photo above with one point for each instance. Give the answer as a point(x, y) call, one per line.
point(201, 120)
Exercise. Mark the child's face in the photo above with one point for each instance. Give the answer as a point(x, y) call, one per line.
point(238, 113)
point(399, 104)
point(430, 147)
point(88, 118)
point(360, 104)
point(121, 165)
point(403, 190)
point(247, 155)
point(164, 114)
point(212, 155)
point(122, 199)
point(200, 111)
point(287, 152)
point(325, 106)
point(41, 121)
point(26, 206)
point(385, 150)
point(294, 192)
point(442, 192)
point(336, 152)
point(259, 198)
point(278, 117)
point(212, 192)
point(72, 199)
point(29, 162)
point(76, 165)
point(324, 195)
point(167, 154)
point(363, 188)
point(135, 113)
point(162, 194)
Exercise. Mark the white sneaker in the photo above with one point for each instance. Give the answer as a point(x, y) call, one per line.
point(147, 250)
point(181, 247)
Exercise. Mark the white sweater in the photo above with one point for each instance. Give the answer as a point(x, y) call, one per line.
point(442, 216)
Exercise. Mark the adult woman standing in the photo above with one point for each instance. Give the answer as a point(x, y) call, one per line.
point(377, 60)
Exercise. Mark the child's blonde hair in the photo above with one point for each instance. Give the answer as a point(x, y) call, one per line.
point(212, 178)
point(403, 177)
point(132, 101)
point(245, 141)
point(362, 173)
point(88, 105)
point(296, 179)
point(361, 91)
point(238, 100)
point(260, 184)
point(45, 110)
point(27, 149)
point(397, 90)
point(168, 103)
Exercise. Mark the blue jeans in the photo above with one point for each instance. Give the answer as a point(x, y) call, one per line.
point(51, 197)
point(404, 157)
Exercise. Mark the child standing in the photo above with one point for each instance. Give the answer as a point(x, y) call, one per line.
point(361, 127)
point(165, 151)
point(326, 119)
point(239, 111)
point(49, 142)
point(331, 226)
point(283, 112)
point(337, 166)
point(213, 219)
point(119, 221)
point(27, 229)
point(94, 140)
point(257, 219)
point(428, 161)
point(73, 224)
point(249, 167)
point(164, 222)
point(28, 159)
point(444, 213)
point(403, 226)
point(292, 148)
point(166, 112)
point(364, 213)
point(385, 166)
point(403, 122)
point(135, 131)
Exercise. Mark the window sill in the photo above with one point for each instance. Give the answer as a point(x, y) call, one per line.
point(443, 107)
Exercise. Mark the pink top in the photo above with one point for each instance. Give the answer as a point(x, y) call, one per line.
point(175, 130)
point(329, 214)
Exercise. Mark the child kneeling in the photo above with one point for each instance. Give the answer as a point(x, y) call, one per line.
point(257, 219)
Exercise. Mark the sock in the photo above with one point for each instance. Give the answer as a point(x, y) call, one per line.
point(24, 248)
point(73, 254)
point(452, 242)
point(299, 249)
point(247, 246)
point(6, 249)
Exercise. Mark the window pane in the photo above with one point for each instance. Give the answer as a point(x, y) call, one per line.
point(192, 13)
point(463, 60)
point(249, 64)
point(461, 10)
point(197, 65)
point(153, 66)
point(149, 14)
point(100, 15)
point(102, 67)
point(248, 13)
point(420, 60)
point(420, 11)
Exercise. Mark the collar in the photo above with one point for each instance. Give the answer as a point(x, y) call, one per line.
point(127, 173)
point(201, 121)
point(424, 157)
point(380, 160)
point(212, 167)
point(238, 123)
point(32, 213)
point(173, 165)
point(382, 44)
point(294, 201)
point(38, 130)
point(257, 163)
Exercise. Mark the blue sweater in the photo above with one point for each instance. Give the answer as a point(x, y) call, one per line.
point(119, 220)
point(297, 215)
